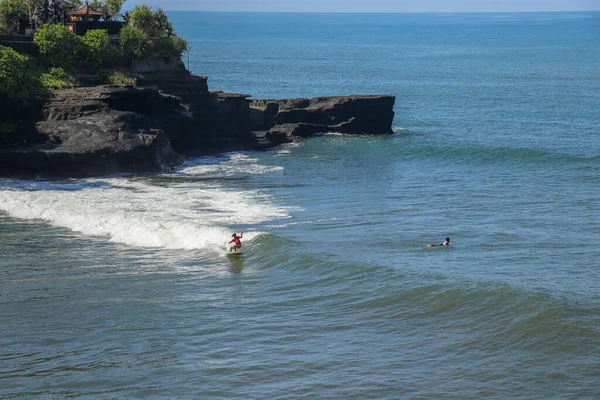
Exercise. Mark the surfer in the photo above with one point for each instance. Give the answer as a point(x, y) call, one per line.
point(236, 241)
point(444, 243)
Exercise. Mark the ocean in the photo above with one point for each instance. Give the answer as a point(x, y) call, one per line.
point(119, 287)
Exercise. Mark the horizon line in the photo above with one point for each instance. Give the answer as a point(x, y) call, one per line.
point(382, 12)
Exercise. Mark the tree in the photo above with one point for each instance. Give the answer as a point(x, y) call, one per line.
point(135, 42)
point(11, 12)
point(149, 34)
point(44, 12)
point(33, 7)
point(60, 8)
point(55, 11)
point(96, 4)
point(37, 12)
point(99, 48)
point(60, 46)
point(163, 25)
point(72, 4)
point(111, 8)
point(142, 17)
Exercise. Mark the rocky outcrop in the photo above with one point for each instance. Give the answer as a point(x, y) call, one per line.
point(101, 130)
point(232, 121)
point(280, 121)
point(98, 131)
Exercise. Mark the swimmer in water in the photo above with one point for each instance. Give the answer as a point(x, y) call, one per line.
point(443, 244)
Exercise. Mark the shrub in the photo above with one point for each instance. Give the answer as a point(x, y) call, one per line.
point(162, 24)
point(119, 78)
point(61, 47)
point(142, 17)
point(18, 77)
point(99, 48)
point(169, 46)
point(149, 34)
point(179, 44)
point(135, 42)
point(56, 78)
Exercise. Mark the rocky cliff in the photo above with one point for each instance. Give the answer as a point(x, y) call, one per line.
point(99, 130)
point(279, 121)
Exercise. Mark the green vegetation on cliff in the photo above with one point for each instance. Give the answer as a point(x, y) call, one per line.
point(39, 12)
point(11, 12)
point(60, 47)
point(65, 57)
point(111, 8)
point(149, 34)
point(56, 78)
point(19, 76)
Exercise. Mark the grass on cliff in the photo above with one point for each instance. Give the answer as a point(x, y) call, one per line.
point(56, 78)
point(119, 78)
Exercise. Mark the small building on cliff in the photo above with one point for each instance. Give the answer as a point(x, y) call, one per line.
point(87, 18)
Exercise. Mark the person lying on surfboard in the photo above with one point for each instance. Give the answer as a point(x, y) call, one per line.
point(236, 240)
point(444, 243)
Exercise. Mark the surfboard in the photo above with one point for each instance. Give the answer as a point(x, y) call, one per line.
point(228, 247)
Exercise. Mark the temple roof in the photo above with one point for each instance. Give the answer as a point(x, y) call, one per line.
point(86, 10)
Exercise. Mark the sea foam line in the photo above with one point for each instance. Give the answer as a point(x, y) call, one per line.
point(141, 214)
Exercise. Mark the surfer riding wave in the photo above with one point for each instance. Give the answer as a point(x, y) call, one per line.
point(236, 242)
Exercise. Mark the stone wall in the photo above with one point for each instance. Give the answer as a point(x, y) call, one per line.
point(21, 43)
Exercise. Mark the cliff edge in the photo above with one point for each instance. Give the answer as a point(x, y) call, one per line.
point(107, 129)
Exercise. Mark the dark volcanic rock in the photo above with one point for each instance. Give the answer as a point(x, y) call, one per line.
point(17, 123)
point(101, 130)
point(97, 131)
point(289, 119)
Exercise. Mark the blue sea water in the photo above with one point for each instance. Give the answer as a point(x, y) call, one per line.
point(118, 287)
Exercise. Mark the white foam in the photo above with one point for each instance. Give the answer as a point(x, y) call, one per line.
point(145, 213)
point(286, 148)
point(330, 134)
point(236, 163)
